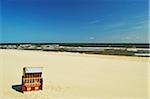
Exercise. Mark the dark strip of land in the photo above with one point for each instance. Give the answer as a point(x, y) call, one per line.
point(128, 45)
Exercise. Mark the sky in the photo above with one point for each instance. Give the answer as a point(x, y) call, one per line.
point(74, 21)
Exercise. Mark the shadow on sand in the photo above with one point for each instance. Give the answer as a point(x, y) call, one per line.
point(17, 88)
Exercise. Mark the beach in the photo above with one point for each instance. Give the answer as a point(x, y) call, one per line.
point(75, 76)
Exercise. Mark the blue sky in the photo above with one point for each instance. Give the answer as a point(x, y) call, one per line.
point(86, 21)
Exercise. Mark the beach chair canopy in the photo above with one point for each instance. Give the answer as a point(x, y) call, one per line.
point(33, 70)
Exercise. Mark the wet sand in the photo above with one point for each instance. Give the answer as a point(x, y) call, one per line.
point(75, 76)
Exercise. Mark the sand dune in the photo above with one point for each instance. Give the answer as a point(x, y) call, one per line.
point(75, 76)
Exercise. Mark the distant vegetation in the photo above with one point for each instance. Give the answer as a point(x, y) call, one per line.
point(89, 48)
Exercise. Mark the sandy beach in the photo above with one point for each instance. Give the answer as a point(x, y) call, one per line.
point(75, 76)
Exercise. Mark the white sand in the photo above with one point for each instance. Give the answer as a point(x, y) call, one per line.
point(75, 76)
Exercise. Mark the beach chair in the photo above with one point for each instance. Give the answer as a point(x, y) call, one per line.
point(32, 79)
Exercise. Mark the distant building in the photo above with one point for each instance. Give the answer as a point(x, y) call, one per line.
point(32, 79)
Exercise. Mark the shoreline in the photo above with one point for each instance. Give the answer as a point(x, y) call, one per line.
point(83, 54)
